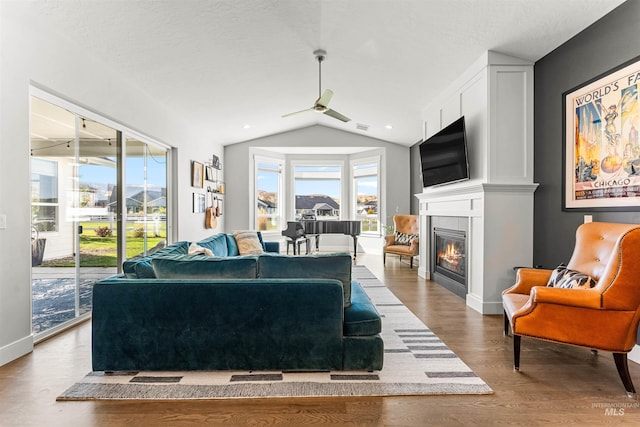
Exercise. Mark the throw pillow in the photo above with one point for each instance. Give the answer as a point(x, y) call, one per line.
point(204, 267)
point(248, 242)
point(562, 277)
point(217, 244)
point(194, 249)
point(140, 267)
point(322, 266)
point(404, 239)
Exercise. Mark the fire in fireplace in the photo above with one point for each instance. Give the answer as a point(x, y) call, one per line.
point(451, 255)
point(450, 259)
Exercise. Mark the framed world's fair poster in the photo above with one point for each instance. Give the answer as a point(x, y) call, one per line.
point(602, 145)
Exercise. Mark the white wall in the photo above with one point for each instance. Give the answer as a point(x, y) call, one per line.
point(32, 53)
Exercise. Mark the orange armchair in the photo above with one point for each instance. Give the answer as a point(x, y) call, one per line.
point(604, 317)
point(408, 225)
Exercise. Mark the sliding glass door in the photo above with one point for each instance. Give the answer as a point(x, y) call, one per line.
point(94, 209)
point(98, 196)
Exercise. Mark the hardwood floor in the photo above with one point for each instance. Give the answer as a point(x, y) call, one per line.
point(557, 384)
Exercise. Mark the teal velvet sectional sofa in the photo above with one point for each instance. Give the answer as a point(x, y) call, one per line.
point(174, 311)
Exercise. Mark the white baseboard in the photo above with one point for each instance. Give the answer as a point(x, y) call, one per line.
point(484, 307)
point(16, 349)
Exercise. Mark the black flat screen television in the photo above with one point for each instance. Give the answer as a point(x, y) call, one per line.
point(444, 156)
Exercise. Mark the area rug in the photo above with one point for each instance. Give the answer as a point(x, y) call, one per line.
point(416, 362)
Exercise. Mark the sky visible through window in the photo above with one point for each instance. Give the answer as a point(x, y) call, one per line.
point(367, 186)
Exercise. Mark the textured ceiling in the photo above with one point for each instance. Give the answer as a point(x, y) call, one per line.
point(227, 64)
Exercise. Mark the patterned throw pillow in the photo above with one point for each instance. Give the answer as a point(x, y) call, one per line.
point(404, 239)
point(248, 242)
point(562, 277)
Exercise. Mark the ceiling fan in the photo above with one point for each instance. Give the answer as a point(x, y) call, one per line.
point(322, 103)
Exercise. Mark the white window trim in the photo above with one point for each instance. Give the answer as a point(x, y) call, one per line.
point(354, 191)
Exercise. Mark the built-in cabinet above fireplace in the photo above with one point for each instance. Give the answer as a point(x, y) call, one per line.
point(488, 219)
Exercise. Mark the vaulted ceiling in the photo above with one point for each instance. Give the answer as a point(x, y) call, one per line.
point(235, 67)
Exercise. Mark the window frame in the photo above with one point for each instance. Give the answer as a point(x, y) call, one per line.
point(318, 163)
point(353, 164)
point(280, 163)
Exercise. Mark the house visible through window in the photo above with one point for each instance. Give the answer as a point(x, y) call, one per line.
point(44, 194)
point(318, 191)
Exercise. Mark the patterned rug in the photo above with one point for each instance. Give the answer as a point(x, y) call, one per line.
point(416, 362)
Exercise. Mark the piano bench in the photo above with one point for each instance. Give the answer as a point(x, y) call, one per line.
point(296, 243)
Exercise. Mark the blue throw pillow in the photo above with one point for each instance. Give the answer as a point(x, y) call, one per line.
point(323, 266)
point(216, 244)
point(205, 267)
point(140, 268)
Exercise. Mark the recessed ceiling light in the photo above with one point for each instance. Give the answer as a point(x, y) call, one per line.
point(388, 127)
point(246, 126)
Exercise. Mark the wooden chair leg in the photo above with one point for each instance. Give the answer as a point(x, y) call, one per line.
point(516, 352)
point(411, 263)
point(506, 323)
point(623, 371)
point(384, 258)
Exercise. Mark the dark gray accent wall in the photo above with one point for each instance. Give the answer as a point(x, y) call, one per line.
point(606, 44)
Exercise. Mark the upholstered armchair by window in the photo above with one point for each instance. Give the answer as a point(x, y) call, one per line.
point(404, 241)
point(593, 302)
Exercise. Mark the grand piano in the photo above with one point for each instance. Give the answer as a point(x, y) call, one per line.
point(314, 228)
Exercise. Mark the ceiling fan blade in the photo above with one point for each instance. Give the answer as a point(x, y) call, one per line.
point(325, 98)
point(297, 112)
point(337, 115)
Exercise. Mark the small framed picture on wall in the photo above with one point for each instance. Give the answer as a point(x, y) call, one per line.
point(208, 173)
point(197, 174)
point(198, 203)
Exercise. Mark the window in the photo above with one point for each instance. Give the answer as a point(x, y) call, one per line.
point(268, 185)
point(318, 191)
point(366, 193)
point(44, 194)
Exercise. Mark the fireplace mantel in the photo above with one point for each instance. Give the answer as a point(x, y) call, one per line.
point(500, 236)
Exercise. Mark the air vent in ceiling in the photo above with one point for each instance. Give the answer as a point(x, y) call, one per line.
point(360, 126)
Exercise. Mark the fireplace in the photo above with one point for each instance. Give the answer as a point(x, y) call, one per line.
point(449, 266)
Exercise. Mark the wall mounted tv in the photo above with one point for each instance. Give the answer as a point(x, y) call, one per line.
point(444, 156)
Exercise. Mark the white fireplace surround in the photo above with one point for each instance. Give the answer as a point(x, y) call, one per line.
point(499, 237)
